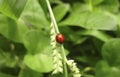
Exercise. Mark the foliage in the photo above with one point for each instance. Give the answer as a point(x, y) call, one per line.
point(91, 29)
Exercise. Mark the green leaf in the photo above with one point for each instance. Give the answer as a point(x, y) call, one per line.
point(118, 18)
point(104, 70)
point(71, 35)
point(110, 5)
point(111, 52)
point(76, 39)
point(39, 62)
point(118, 21)
point(29, 73)
point(4, 43)
point(34, 16)
point(5, 75)
point(87, 59)
point(88, 75)
point(11, 29)
point(35, 41)
point(43, 4)
point(7, 59)
point(12, 8)
point(80, 7)
point(95, 33)
point(2, 60)
point(57, 75)
point(91, 20)
point(60, 14)
point(94, 2)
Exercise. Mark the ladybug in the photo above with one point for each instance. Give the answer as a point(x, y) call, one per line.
point(60, 38)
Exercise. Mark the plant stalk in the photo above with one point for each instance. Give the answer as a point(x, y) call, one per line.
point(57, 31)
point(64, 61)
point(52, 16)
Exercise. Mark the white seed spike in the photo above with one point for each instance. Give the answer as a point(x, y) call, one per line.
point(72, 66)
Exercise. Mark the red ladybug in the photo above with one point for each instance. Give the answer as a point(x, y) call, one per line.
point(60, 38)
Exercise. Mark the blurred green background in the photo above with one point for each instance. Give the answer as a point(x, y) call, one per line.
point(91, 29)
